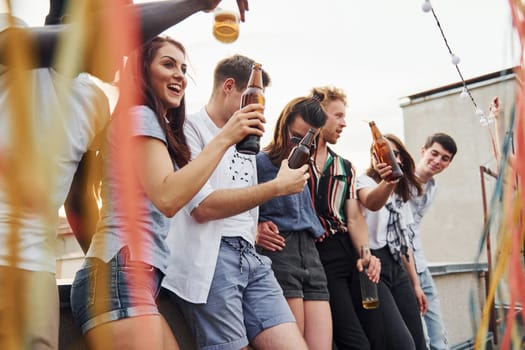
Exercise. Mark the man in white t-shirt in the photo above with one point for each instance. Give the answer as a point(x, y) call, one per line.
point(227, 291)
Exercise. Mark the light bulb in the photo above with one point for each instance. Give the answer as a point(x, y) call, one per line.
point(455, 60)
point(426, 6)
point(483, 121)
point(464, 93)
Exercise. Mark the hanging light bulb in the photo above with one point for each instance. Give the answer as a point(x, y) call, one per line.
point(482, 119)
point(464, 93)
point(455, 60)
point(426, 6)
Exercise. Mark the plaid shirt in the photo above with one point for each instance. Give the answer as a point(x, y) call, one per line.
point(330, 189)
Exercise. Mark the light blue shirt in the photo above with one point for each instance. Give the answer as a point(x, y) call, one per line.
point(148, 240)
point(419, 206)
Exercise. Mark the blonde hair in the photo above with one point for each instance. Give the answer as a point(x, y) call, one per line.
point(329, 94)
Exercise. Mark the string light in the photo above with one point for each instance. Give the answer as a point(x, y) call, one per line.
point(465, 92)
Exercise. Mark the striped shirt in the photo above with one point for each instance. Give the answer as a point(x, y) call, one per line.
point(330, 189)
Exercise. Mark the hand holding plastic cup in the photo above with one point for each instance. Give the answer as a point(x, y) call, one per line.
point(225, 25)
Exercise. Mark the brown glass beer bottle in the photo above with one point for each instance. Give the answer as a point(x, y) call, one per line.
point(301, 153)
point(384, 152)
point(253, 94)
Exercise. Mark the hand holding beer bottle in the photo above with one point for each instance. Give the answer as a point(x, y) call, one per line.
point(301, 153)
point(384, 154)
point(369, 297)
point(254, 93)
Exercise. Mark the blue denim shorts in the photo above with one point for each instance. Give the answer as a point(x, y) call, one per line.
point(104, 292)
point(298, 267)
point(244, 299)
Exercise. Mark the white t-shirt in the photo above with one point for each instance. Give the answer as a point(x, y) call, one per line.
point(377, 221)
point(86, 112)
point(194, 247)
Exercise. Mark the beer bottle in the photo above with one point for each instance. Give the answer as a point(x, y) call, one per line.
point(253, 94)
point(369, 296)
point(301, 153)
point(384, 152)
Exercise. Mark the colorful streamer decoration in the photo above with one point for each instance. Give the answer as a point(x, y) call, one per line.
point(507, 204)
point(84, 47)
point(507, 214)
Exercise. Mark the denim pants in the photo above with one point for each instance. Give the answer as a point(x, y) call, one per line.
point(435, 332)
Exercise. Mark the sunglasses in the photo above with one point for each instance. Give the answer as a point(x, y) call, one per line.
point(297, 140)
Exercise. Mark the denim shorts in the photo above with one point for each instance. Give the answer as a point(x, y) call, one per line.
point(298, 267)
point(244, 299)
point(104, 292)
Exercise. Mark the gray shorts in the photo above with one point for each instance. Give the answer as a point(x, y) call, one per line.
point(298, 267)
point(244, 299)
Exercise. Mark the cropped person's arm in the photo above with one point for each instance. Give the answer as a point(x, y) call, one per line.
point(154, 17)
point(157, 16)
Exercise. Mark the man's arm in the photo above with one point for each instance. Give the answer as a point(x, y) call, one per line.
point(223, 203)
point(410, 266)
point(81, 203)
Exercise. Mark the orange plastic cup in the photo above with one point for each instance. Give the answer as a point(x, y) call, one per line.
point(226, 26)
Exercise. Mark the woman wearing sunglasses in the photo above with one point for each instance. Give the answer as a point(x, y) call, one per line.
point(288, 227)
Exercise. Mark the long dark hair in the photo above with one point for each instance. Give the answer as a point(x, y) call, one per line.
point(404, 188)
point(308, 108)
point(137, 73)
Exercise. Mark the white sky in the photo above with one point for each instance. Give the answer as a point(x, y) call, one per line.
point(377, 51)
